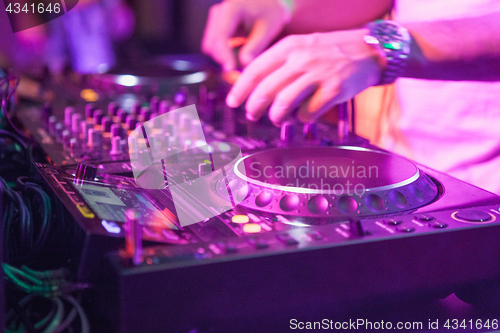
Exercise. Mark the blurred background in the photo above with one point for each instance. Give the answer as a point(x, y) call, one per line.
point(99, 34)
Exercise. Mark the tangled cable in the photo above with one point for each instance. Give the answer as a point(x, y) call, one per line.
point(24, 233)
point(52, 285)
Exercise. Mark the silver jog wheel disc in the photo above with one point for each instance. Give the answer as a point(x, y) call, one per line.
point(329, 182)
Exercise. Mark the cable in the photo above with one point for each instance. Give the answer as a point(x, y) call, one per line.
point(28, 219)
point(14, 137)
point(5, 100)
point(69, 319)
point(50, 316)
point(24, 318)
point(83, 317)
point(46, 207)
point(22, 274)
point(56, 321)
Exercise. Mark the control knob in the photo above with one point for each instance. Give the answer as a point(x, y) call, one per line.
point(84, 172)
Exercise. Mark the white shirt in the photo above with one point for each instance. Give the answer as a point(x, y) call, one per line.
point(452, 127)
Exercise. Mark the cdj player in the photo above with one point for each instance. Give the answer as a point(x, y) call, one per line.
point(320, 218)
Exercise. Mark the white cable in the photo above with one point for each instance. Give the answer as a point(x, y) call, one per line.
point(83, 317)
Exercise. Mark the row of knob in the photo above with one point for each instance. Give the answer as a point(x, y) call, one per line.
point(77, 131)
point(310, 131)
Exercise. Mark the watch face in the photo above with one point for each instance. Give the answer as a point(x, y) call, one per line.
point(393, 41)
point(391, 36)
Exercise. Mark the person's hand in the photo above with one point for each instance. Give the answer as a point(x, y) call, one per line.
point(264, 18)
point(335, 66)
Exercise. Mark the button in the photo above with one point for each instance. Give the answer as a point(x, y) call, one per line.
point(111, 227)
point(151, 234)
point(356, 228)
point(136, 108)
point(97, 117)
point(326, 142)
point(133, 235)
point(185, 121)
point(181, 97)
point(473, 215)
point(347, 205)
point(76, 118)
point(68, 113)
point(122, 115)
point(258, 243)
point(310, 131)
point(86, 212)
point(85, 172)
point(59, 128)
point(74, 144)
point(145, 158)
point(94, 138)
point(89, 110)
point(168, 128)
point(374, 203)
point(252, 228)
point(425, 218)
point(203, 170)
point(116, 146)
point(201, 253)
point(112, 109)
point(398, 199)
point(66, 136)
point(156, 143)
point(240, 219)
point(164, 107)
point(153, 104)
point(228, 247)
point(315, 236)
point(84, 129)
point(46, 113)
point(393, 222)
point(287, 131)
point(286, 239)
point(438, 224)
point(289, 202)
point(318, 204)
point(106, 123)
point(116, 130)
point(157, 121)
point(131, 121)
point(404, 228)
point(145, 113)
point(169, 234)
point(264, 198)
point(52, 125)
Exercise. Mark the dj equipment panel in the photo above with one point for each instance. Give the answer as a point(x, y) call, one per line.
point(293, 244)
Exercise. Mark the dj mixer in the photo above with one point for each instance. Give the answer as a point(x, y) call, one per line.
point(320, 218)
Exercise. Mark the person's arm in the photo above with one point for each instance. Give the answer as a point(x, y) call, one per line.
point(336, 66)
point(264, 20)
point(463, 49)
point(330, 15)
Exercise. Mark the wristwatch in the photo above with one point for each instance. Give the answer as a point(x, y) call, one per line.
point(393, 42)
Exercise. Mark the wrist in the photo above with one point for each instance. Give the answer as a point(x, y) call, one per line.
point(379, 56)
point(392, 41)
